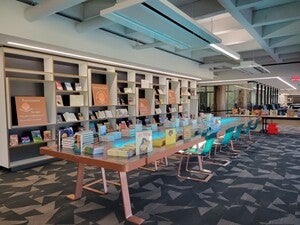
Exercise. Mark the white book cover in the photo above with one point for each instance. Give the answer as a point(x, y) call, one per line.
point(76, 100)
point(128, 90)
point(143, 142)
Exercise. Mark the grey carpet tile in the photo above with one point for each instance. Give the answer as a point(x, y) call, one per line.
point(262, 186)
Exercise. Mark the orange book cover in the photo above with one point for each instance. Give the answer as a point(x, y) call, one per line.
point(172, 97)
point(144, 107)
point(31, 110)
point(100, 94)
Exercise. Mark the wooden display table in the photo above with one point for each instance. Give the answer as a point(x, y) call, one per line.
point(121, 165)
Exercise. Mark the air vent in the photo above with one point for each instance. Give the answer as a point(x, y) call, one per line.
point(251, 67)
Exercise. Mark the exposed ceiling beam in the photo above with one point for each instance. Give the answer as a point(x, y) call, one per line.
point(254, 54)
point(281, 29)
point(245, 4)
point(199, 9)
point(245, 46)
point(46, 8)
point(93, 7)
point(150, 45)
point(245, 19)
point(192, 49)
point(93, 24)
point(288, 49)
point(235, 37)
point(276, 14)
point(289, 56)
point(284, 41)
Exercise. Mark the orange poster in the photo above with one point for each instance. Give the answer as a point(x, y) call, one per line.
point(172, 97)
point(100, 94)
point(144, 107)
point(31, 110)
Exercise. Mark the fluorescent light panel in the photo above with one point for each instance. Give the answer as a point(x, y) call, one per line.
point(99, 60)
point(247, 79)
point(226, 51)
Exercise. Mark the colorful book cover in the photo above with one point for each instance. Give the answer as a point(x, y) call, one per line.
point(143, 142)
point(68, 86)
point(170, 136)
point(36, 136)
point(144, 107)
point(59, 86)
point(47, 135)
point(172, 97)
point(215, 124)
point(59, 101)
point(13, 140)
point(100, 94)
point(25, 139)
point(187, 133)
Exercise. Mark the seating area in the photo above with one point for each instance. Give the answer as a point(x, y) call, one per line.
point(261, 185)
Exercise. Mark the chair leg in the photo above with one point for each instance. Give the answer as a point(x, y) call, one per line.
point(208, 175)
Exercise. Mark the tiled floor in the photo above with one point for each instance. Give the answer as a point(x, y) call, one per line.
point(260, 187)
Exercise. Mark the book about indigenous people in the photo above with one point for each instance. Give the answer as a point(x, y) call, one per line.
point(143, 142)
point(31, 110)
point(100, 94)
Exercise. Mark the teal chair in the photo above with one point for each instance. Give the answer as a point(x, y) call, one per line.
point(254, 126)
point(200, 151)
point(246, 132)
point(236, 136)
point(221, 142)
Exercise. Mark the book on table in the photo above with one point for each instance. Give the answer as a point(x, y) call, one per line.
point(143, 142)
point(170, 136)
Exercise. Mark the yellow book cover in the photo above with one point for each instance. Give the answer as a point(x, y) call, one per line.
point(170, 136)
point(187, 134)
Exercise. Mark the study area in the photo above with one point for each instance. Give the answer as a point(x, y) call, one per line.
point(149, 112)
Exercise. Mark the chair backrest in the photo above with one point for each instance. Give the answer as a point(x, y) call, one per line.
point(247, 129)
point(254, 125)
point(227, 136)
point(237, 132)
point(209, 141)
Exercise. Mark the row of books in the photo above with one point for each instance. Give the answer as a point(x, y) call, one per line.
point(36, 137)
point(68, 86)
point(69, 117)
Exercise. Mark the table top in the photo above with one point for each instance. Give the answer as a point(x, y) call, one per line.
point(282, 117)
point(124, 164)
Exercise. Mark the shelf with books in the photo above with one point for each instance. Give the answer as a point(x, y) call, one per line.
point(31, 143)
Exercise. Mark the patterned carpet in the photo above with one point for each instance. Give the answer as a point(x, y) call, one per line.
point(260, 187)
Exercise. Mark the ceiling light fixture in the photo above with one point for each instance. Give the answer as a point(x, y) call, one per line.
point(225, 50)
point(98, 60)
point(247, 79)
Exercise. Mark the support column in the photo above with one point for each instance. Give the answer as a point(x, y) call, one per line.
point(265, 95)
point(261, 95)
point(257, 93)
point(242, 98)
point(220, 100)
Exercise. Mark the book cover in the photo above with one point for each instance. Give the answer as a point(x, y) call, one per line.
point(47, 135)
point(36, 136)
point(59, 86)
point(78, 87)
point(128, 90)
point(145, 83)
point(91, 115)
point(68, 86)
point(80, 116)
point(31, 110)
point(170, 136)
point(25, 139)
point(144, 107)
point(100, 94)
point(187, 133)
point(143, 141)
point(59, 101)
point(171, 97)
point(76, 100)
point(13, 140)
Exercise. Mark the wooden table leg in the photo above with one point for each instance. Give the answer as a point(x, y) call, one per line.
point(79, 183)
point(126, 200)
point(104, 180)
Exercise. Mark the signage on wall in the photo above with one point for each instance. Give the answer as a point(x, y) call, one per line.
point(295, 79)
